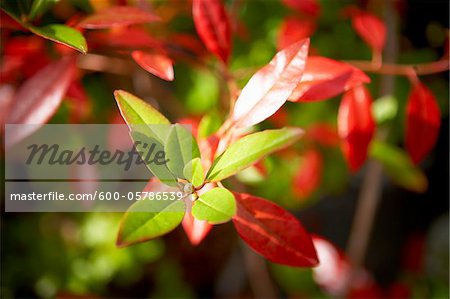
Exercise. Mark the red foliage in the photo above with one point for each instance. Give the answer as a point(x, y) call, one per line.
point(356, 125)
point(273, 232)
point(213, 27)
point(308, 175)
point(423, 120)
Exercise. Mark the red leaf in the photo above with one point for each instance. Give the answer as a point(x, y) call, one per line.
point(123, 38)
point(78, 101)
point(40, 96)
point(325, 78)
point(117, 16)
point(309, 7)
point(423, 121)
point(323, 134)
point(356, 125)
point(293, 30)
point(334, 269)
point(208, 148)
point(371, 29)
point(156, 64)
point(308, 175)
point(271, 86)
point(196, 230)
point(8, 22)
point(213, 27)
point(273, 232)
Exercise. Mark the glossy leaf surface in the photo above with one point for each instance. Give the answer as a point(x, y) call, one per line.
point(325, 78)
point(273, 232)
point(148, 219)
point(271, 86)
point(156, 64)
point(215, 206)
point(249, 150)
point(180, 148)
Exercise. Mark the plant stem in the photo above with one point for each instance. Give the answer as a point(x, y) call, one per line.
point(401, 70)
point(372, 187)
point(428, 68)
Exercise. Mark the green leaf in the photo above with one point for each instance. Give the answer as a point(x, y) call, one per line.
point(250, 149)
point(180, 148)
point(216, 206)
point(399, 166)
point(138, 113)
point(148, 219)
point(193, 171)
point(62, 34)
point(152, 152)
point(384, 109)
point(39, 7)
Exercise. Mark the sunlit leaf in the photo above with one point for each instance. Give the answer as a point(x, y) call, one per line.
point(273, 232)
point(325, 78)
point(250, 149)
point(149, 219)
point(137, 112)
point(180, 148)
point(62, 34)
point(154, 155)
point(271, 86)
point(156, 64)
point(193, 171)
point(215, 206)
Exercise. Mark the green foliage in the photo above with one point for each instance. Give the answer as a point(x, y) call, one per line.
point(180, 148)
point(193, 171)
point(250, 149)
point(148, 219)
point(216, 206)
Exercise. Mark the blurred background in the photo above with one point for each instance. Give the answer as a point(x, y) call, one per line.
point(73, 255)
